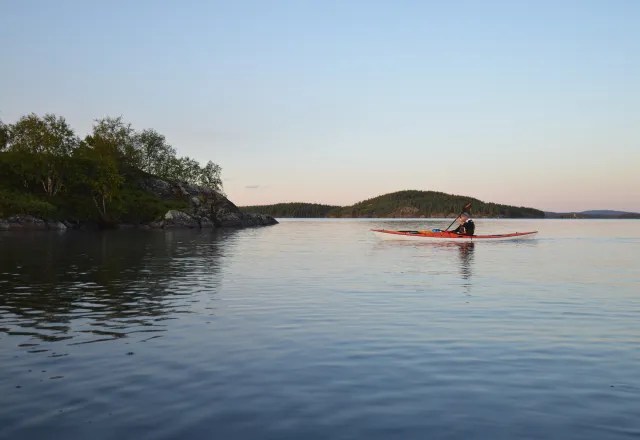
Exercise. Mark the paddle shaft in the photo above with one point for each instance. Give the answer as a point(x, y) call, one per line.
point(454, 220)
point(466, 206)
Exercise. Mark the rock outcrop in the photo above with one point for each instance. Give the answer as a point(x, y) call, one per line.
point(207, 208)
point(25, 222)
point(179, 219)
point(56, 226)
point(30, 223)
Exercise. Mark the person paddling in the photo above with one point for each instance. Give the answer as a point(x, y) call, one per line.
point(466, 227)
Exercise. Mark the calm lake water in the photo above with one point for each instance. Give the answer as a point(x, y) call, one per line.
point(318, 330)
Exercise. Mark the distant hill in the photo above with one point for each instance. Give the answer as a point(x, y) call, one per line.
point(419, 204)
point(606, 212)
point(401, 204)
point(595, 214)
point(291, 210)
point(423, 204)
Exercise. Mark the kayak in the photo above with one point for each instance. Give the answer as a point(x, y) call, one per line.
point(386, 234)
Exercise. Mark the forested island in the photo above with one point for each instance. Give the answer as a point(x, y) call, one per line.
point(595, 214)
point(401, 204)
point(292, 210)
point(50, 178)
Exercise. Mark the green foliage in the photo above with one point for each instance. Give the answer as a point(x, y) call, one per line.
point(45, 144)
point(155, 154)
point(12, 203)
point(101, 177)
point(16, 170)
point(137, 207)
point(115, 139)
point(413, 203)
point(209, 176)
point(45, 170)
point(4, 135)
point(292, 210)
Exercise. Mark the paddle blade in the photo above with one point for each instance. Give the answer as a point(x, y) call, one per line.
point(467, 207)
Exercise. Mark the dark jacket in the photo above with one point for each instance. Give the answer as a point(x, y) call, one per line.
point(467, 228)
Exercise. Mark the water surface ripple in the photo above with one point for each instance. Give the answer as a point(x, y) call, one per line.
point(315, 329)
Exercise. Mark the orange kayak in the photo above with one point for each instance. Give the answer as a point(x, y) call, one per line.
point(386, 234)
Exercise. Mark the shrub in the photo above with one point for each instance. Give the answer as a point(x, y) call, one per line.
point(12, 203)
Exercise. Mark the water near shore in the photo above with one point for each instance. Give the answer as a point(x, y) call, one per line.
point(314, 329)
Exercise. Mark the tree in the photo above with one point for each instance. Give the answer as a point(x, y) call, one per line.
point(183, 169)
point(155, 153)
point(45, 144)
point(190, 170)
point(100, 175)
point(4, 136)
point(210, 176)
point(112, 137)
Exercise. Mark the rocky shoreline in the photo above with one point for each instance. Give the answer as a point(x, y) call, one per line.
point(208, 209)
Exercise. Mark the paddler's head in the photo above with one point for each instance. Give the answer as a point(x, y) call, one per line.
point(463, 217)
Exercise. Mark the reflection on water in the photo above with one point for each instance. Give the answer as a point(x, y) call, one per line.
point(465, 255)
point(466, 259)
point(111, 286)
point(316, 329)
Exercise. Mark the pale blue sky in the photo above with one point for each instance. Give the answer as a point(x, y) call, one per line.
point(532, 103)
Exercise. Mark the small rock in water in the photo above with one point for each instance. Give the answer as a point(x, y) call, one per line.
point(130, 353)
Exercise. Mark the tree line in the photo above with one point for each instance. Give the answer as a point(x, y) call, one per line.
point(47, 170)
point(291, 210)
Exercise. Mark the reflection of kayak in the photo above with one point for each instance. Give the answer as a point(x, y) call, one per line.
point(386, 234)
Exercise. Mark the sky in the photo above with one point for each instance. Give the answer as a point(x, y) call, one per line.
point(529, 102)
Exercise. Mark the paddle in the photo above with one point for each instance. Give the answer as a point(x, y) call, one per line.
point(467, 207)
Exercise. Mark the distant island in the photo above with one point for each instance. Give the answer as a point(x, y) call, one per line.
point(422, 204)
point(115, 177)
point(594, 214)
point(292, 210)
point(400, 204)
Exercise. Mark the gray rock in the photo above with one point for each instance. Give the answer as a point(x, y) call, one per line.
point(157, 224)
point(56, 226)
point(27, 222)
point(203, 203)
point(263, 220)
point(229, 219)
point(179, 219)
point(158, 187)
point(4, 225)
point(206, 223)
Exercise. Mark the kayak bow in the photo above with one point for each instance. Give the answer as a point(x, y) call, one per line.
point(386, 234)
